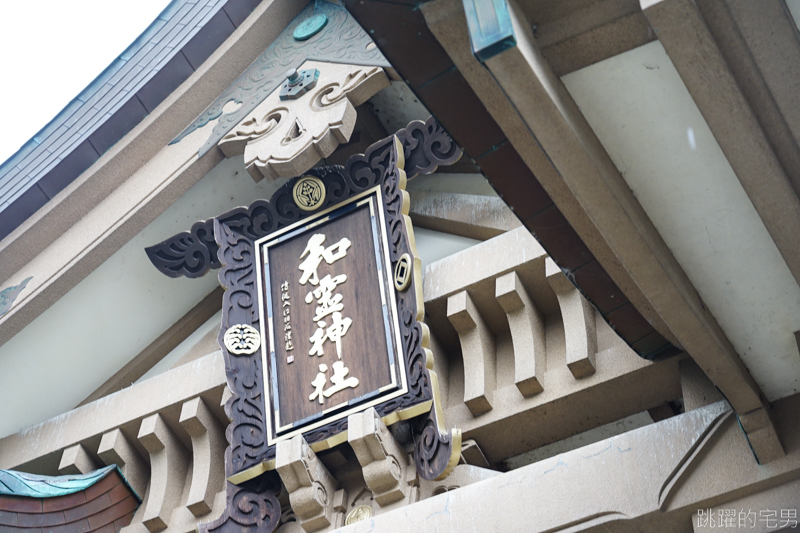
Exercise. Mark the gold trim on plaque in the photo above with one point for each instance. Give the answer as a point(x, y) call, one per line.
point(339, 438)
point(396, 416)
point(374, 197)
point(308, 193)
point(402, 273)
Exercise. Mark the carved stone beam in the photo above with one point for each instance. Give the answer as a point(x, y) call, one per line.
point(310, 486)
point(477, 351)
point(383, 461)
point(527, 333)
point(284, 138)
point(115, 449)
point(580, 332)
point(75, 461)
point(169, 461)
point(208, 449)
point(468, 215)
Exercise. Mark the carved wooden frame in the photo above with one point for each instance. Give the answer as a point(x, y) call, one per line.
point(421, 148)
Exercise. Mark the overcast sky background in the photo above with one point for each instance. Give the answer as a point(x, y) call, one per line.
point(50, 50)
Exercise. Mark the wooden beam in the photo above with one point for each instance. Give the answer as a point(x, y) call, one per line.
point(759, 41)
point(703, 69)
point(560, 147)
point(596, 32)
point(467, 215)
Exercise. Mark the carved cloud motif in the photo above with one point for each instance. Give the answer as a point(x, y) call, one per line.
point(284, 138)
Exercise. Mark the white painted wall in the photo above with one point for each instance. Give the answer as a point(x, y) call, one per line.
point(651, 127)
point(114, 313)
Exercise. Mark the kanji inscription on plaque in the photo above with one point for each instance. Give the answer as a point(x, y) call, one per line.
point(327, 284)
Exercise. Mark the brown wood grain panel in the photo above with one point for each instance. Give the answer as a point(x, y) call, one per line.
point(108, 528)
point(7, 518)
point(363, 348)
point(119, 523)
point(81, 526)
point(119, 493)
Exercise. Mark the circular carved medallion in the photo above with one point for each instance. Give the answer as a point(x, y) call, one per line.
point(309, 193)
point(402, 273)
point(310, 27)
point(241, 339)
point(362, 512)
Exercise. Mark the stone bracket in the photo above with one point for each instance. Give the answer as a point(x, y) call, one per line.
point(761, 434)
point(527, 333)
point(384, 463)
point(169, 461)
point(477, 350)
point(116, 449)
point(310, 486)
point(579, 323)
point(75, 461)
point(208, 444)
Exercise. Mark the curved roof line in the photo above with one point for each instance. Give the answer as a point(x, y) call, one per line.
point(92, 88)
point(178, 41)
point(13, 483)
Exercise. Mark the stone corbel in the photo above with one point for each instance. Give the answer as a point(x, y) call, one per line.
point(75, 461)
point(580, 333)
point(208, 445)
point(169, 461)
point(477, 351)
point(384, 463)
point(115, 449)
point(527, 333)
point(310, 486)
point(284, 138)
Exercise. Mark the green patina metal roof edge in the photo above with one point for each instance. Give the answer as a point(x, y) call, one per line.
point(22, 484)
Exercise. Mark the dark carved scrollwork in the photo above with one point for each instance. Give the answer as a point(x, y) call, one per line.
point(245, 408)
point(190, 253)
point(432, 449)
point(253, 506)
point(426, 146)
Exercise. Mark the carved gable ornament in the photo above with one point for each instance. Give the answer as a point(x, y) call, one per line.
point(283, 137)
point(322, 317)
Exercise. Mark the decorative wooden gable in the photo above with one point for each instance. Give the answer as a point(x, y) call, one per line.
point(322, 315)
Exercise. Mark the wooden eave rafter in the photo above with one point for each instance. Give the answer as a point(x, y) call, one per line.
point(514, 118)
point(449, 90)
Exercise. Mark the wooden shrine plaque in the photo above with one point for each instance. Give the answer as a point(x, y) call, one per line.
point(331, 259)
point(332, 334)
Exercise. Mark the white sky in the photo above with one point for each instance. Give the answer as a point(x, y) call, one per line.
point(51, 50)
